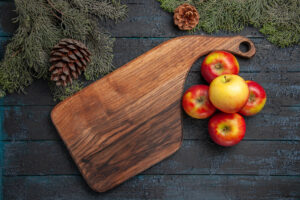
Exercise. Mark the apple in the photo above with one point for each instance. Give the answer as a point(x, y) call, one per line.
point(228, 93)
point(218, 63)
point(227, 129)
point(256, 101)
point(196, 104)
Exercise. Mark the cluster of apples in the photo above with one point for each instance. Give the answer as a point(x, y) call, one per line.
point(228, 93)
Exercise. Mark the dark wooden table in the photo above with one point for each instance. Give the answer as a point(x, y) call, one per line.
point(265, 165)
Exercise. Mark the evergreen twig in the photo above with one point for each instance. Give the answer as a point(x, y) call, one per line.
point(279, 20)
point(42, 23)
point(53, 7)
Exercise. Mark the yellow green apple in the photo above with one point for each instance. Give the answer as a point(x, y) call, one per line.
point(228, 93)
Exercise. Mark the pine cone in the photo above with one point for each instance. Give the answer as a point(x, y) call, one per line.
point(69, 58)
point(186, 17)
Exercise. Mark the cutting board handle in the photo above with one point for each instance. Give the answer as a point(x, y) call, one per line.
point(185, 50)
point(234, 44)
point(201, 45)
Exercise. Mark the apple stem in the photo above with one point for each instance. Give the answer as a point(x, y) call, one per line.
point(218, 66)
point(226, 79)
point(252, 97)
point(226, 129)
point(200, 100)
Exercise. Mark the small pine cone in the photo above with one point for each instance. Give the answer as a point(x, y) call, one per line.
point(69, 58)
point(186, 17)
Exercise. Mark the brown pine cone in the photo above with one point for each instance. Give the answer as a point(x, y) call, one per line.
point(186, 17)
point(69, 58)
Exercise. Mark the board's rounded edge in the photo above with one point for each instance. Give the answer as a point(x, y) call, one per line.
point(52, 116)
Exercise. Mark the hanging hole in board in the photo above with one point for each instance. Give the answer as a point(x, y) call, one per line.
point(245, 47)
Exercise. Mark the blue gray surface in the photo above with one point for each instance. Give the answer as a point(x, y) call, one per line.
point(265, 165)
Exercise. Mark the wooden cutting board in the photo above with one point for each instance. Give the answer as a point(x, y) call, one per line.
point(130, 120)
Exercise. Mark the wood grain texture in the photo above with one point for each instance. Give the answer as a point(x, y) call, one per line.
point(25, 118)
point(278, 65)
point(157, 187)
point(131, 119)
point(268, 58)
point(32, 123)
point(194, 157)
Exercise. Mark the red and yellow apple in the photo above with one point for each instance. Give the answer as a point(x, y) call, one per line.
point(218, 63)
point(196, 104)
point(227, 129)
point(256, 101)
point(228, 93)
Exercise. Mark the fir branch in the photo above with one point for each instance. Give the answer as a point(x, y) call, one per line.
point(61, 93)
point(113, 10)
point(56, 10)
point(102, 54)
point(42, 23)
point(279, 20)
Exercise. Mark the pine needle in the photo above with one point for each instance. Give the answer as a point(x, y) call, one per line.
point(42, 24)
point(279, 20)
